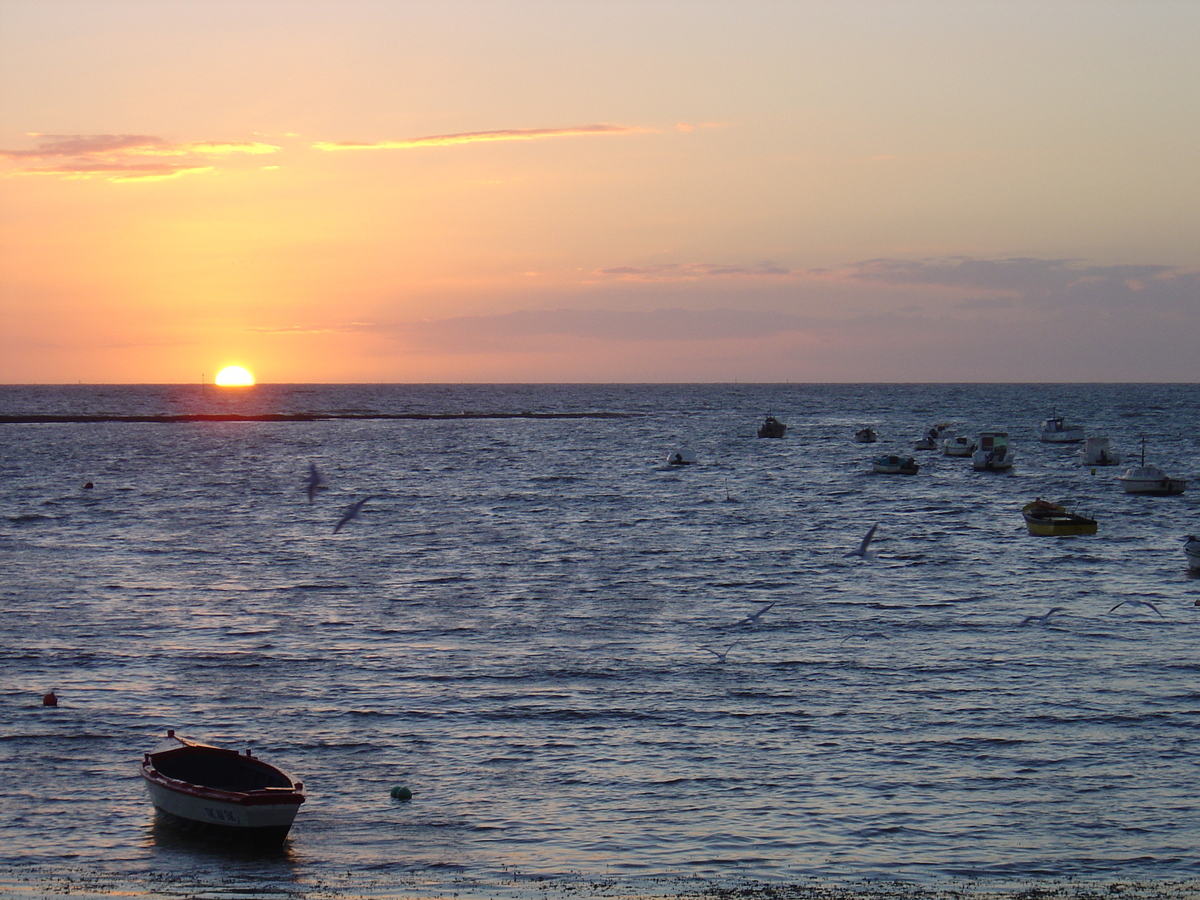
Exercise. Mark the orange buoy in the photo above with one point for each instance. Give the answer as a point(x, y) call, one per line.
point(50, 699)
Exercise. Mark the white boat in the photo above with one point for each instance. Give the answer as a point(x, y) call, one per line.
point(895, 465)
point(1146, 479)
point(994, 453)
point(1191, 549)
point(221, 793)
point(1055, 430)
point(681, 457)
point(1097, 451)
point(959, 445)
point(932, 436)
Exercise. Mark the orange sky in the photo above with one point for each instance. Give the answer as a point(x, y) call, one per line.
point(598, 191)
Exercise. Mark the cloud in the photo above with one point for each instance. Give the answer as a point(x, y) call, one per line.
point(695, 271)
point(119, 157)
point(476, 137)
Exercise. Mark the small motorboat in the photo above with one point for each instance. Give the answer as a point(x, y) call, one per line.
point(772, 428)
point(1055, 430)
point(681, 457)
point(865, 436)
point(1046, 519)
point(221, 793)
point(1146, 479)
point(993, 454)
point(1097, 451)
point(959, 445)
point(895, 465)
point(932, 437)
point(1191, 549)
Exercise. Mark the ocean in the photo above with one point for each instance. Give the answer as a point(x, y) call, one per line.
point(544, 631)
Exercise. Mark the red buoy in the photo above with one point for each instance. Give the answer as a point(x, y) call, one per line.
point(50, 700)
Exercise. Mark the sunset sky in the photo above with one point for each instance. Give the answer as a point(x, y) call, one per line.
point(599, 190)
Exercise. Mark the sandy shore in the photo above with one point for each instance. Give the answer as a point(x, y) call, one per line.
point(34, 885)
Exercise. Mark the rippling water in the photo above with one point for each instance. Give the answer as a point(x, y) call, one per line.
point(516, 627)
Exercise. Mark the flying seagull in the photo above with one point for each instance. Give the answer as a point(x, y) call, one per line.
point(351, 511)
point(720, 656)
point(753, 618)
point(1139, 603)
point(866, 542)
point(315, 482)
point(1042, 620)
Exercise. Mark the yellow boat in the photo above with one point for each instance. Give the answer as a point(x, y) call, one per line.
point(1046, 519)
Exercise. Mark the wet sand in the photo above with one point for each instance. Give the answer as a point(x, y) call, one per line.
point(22, 884)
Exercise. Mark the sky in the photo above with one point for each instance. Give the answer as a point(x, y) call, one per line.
point(599, 190)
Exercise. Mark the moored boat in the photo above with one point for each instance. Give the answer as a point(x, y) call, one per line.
point(772, 428)
point(1191, 549)
point(895, 465)
point(681, 457)
point(959, 445)
point(994, 454)
point(931, 437)
point(1047, 519)
point(865, 436)
point(221, 793)
point(1097, 451)
point(1146, 479)
point(1055, 430)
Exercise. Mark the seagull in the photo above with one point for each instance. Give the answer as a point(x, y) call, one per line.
point(1139, 603)
point(753, 618)
point(351, 511)
point(866, 542)
point(315, 482)
point(720, 656)
point(1042, 620)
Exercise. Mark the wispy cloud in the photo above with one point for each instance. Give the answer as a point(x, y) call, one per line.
point(122, 157)
point(695, 271)
point(477, 137)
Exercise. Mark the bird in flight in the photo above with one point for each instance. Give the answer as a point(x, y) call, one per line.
point(315, 482)
point(1043, 619)
point(753, 618)
point(720, 656)
point(866, 542)
point(1139, 603)
point(351, 512)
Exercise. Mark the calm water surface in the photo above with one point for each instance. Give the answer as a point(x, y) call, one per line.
point(520, 628)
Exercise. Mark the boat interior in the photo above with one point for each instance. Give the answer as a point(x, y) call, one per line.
point(224, 772)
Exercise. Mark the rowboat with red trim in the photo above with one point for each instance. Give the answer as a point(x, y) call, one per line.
point(220, 792)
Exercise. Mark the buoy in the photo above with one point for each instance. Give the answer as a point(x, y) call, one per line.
point(399, 792)
point(50, 700)
point(89, 486)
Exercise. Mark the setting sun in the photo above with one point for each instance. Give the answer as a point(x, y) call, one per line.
point(234, 376)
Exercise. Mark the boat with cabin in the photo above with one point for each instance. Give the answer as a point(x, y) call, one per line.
point(1046, 519)
point(1151, 480)
point(993, 453)
point(959, 445)
point(1097, 451)
point(1055, 430)
point(772, 428)
point(218, 792)
point(681, 457)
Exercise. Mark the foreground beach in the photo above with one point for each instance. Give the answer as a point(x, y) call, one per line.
point(31, 884)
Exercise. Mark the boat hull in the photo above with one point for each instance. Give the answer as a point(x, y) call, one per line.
point(219, 793)
point(895, 465)
point(1191, 550)
point(1050, 520)
point(1158, 487)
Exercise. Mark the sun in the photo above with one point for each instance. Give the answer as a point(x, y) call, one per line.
point(234, 376)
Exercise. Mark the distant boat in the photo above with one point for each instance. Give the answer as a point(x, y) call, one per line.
point(1146, 479)
point(681, 457)
point(218, 792)
point(994, 453)
point(1055, 430)
point(959, 445)
point(772, 428)
point(895, 465)
point(1047, 519)
point(1191, 549)
point(932, 437)
point(865, 436)
point(1097, 451)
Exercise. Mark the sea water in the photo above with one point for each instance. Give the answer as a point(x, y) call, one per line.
point(538, 627)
